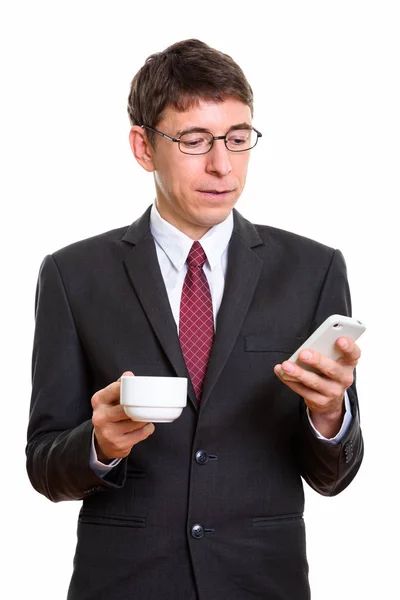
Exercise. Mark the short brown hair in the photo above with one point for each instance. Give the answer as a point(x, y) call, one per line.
point(180, 76)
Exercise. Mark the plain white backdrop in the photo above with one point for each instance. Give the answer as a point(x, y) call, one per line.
point(326, 82)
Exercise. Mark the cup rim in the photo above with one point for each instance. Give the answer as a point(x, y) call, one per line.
point(153, 377)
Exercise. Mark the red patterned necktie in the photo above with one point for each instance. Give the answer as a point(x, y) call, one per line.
point(196, 323)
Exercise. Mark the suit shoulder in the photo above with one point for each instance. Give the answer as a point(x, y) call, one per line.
point(93, 245)
point(291, 241)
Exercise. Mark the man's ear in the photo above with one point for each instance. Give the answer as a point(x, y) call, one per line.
point(141, 148)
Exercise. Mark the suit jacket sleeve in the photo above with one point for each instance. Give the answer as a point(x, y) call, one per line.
point(330, 468)
point(60, 427)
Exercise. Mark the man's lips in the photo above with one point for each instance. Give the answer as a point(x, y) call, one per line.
point(215, 191)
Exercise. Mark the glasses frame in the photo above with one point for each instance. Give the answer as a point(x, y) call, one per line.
point(214, 137)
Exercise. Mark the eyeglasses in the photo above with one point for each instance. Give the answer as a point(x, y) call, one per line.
point(201, 142)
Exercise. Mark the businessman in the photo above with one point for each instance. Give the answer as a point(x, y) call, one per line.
point(211, 505)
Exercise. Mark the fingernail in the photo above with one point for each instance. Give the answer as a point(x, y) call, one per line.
point(306, 355)
point(288, 367)
point(149, 428)
point(342, 343)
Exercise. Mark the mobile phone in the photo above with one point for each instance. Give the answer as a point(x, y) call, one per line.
point(324, 337)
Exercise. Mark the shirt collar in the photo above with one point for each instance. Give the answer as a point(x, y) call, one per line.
point(176, 244)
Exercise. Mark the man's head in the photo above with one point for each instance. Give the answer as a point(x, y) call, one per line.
point(191, 86)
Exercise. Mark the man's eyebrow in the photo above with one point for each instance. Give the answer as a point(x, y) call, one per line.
point(191, 130)
point(243, 125)
point(195, 129)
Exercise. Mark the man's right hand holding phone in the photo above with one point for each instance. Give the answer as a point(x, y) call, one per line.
point(323, 391)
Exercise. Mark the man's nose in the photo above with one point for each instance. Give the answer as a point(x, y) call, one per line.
point(218, 159)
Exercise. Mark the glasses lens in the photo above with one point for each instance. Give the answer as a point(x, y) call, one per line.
point(241, 139)
point(195, 142)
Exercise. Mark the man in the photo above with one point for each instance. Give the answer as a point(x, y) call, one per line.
point(209, 506)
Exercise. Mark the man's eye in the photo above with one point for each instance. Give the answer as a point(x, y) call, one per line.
point(194, 140)
point(238, 140)
point(193, 143)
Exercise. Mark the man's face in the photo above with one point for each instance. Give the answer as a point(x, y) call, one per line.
point(195, 192)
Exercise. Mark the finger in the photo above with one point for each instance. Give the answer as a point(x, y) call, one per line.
point(350, 350)
point(114, 414)
point(283, 376)
point(320, 400)
point(110, 394)
point(287, 376)
point(291, 381)
point(127, 428)
point(114, 444)
point(105, 413)
point(302, 381)
point(125, 374)
point(140, 433)
point(123, 445)
point(332, 369)
point(119, 429)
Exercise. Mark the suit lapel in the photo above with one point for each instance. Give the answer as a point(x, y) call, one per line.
point(243, 272)
point(244, 267)
point(144, 272)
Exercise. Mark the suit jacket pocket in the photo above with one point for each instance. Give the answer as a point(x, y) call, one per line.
point(92, 517)
point(277, 520)
point(260, 342)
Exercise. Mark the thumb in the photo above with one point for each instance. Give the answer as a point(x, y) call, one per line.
point(126, 373)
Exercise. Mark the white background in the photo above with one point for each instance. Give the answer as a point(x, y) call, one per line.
point(326, 82)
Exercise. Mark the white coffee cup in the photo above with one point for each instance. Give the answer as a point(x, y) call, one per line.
point(153, 399)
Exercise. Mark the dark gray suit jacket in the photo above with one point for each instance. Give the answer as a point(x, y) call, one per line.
point(210, 506)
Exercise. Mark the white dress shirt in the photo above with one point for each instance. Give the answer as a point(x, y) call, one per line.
point(172, 248)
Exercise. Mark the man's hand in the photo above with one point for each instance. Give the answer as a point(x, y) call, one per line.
point(323, 393)
point(115, 433)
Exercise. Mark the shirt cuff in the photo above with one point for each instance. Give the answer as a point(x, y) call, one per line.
point(99, 468)
point(344, 428)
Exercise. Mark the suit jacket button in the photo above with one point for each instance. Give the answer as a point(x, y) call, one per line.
point(201, 457)
point(197, 532)
point(348, 452)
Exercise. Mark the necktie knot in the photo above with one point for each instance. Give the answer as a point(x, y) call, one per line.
point(196, 257)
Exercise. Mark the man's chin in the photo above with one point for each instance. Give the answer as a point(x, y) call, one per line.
point(215, 209)
point(214, 216)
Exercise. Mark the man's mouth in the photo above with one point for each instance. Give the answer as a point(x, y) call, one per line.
point(215, 192)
